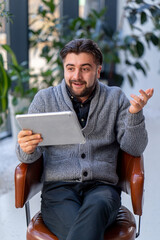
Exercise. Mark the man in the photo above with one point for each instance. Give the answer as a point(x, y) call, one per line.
point(80, 197)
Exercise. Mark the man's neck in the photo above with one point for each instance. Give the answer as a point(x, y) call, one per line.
point(81, 99)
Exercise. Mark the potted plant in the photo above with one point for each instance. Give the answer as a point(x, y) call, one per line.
point(52, 33)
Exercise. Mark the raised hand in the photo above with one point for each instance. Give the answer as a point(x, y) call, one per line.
point(138, 102)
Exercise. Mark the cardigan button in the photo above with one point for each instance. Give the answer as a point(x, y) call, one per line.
point(83, 155)
point(85, 174)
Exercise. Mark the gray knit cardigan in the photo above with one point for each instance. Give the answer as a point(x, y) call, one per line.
point(109, 127)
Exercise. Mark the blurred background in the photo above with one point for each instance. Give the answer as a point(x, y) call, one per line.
point(31, 36)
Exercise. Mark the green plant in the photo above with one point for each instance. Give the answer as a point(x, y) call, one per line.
point(54, 34)
point(14, 77)
point(15, 80)
point(134, 45)
point(20, 76)
point(4, 14)
point(5, 81)
point(4, 86)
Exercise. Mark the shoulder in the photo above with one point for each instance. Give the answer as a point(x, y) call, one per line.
point(111, 90)
point(45, 91)
point(113, 95)
point(40, 100)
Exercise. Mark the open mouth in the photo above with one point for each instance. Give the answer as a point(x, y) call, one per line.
point(78, 84)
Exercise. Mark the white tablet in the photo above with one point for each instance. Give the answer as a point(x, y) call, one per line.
point(57, 128)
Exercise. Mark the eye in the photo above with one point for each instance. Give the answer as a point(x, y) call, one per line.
point(70, 69)
point(85, 69)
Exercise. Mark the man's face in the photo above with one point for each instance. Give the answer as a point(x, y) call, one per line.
point(81, 74)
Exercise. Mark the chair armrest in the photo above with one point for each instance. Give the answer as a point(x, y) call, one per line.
point(131, 174)
point(130, 171)
point(27, 181)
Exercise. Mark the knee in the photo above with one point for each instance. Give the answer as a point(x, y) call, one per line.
point(97, 205)
point(102, 206)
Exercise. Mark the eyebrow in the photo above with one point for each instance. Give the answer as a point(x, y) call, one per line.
point(84, 64)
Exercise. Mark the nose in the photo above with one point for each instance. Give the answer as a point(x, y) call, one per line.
point(77, 74)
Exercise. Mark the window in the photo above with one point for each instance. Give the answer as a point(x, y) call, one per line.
point(85, 6)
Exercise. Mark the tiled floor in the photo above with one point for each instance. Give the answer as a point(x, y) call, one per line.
point(12, 220)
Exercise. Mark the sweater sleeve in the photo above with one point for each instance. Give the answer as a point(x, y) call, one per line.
point(131, 132)
point(37, 106)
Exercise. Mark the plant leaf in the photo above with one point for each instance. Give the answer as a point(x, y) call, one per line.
point(13, 56)
point(139, 1)
point(130, 79)
point(139, 66)
point(140, 48)
point(143, 17)
point(154, 39)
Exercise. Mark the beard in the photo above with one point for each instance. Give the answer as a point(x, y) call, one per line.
point(85, 92)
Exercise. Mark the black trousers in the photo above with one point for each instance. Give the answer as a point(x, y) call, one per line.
point(79, 211)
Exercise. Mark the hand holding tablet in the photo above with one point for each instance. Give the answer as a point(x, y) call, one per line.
point(28, 141)
point(57, 128)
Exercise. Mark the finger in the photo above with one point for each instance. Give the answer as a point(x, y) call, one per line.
point(24, 133)
point(29, 138)
point(30, 143)
point(150, 92)
point(29, 149)
point(136, 105)
point(138, 100)
point(144, 96)
point(147, 94)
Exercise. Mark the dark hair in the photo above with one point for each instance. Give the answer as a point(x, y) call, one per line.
point(83, 46)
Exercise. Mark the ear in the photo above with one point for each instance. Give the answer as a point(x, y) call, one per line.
point(99, 71)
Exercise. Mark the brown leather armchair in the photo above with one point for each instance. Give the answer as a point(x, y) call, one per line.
point(131, 175)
